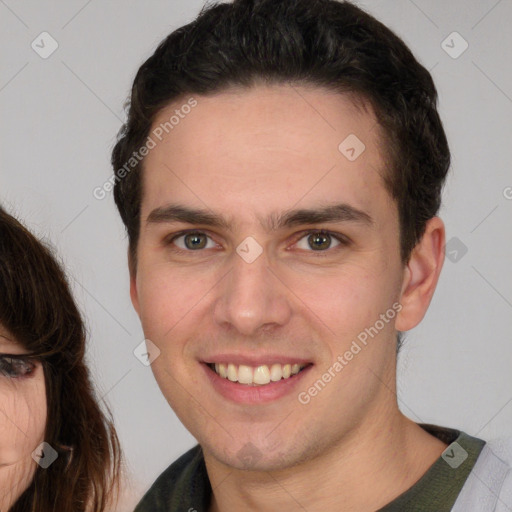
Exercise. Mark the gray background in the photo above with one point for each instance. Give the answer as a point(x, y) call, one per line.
point(59, 118)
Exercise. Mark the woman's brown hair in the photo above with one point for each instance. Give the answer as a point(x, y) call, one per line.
point(37, 307)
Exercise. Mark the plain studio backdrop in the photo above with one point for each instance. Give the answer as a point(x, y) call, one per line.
point(61, 106)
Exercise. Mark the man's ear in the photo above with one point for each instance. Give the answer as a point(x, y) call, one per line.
point(421, 275)
point(134, 295)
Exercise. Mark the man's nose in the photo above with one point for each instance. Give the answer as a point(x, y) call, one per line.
point(252, 297)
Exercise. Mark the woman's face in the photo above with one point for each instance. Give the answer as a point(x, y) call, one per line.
point(22, 417)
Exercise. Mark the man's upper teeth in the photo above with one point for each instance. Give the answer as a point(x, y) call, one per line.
point(262, 374)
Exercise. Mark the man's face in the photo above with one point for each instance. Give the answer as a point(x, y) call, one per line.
point(252, 157)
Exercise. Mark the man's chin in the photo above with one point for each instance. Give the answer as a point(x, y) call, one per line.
point(253, 456)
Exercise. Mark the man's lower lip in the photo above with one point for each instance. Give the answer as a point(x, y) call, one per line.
point(243, 393)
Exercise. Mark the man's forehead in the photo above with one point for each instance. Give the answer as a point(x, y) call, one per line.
point(308, 110)
point(193, 162)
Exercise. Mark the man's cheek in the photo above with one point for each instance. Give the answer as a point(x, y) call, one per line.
point(169, 306)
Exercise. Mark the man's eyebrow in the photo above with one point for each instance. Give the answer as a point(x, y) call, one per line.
point(289, 218)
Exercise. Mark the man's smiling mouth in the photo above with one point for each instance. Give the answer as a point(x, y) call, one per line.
point(256, 375)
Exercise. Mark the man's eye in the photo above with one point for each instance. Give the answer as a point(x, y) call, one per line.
point(320, 241)
point(15, 367)
point(192, 241)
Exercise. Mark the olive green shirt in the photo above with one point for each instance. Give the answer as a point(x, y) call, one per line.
point(184, 486)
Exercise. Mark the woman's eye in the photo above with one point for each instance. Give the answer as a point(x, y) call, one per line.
point(15, 367)
point(318, 241)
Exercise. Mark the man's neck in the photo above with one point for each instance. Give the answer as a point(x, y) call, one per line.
point(364, 472)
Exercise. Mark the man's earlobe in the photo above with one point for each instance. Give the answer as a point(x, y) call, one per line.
point(421, 275)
